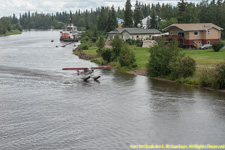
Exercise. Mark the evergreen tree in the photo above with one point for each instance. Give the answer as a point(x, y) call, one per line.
point(115, 24)
point(109, 22)
point(181, 7)
point(137, 14)
point(128, 21)
point(101, 23)
point(153, 20)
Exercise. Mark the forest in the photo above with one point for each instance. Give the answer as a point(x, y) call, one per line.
point(103, 19)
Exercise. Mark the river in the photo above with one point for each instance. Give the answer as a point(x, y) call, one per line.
point(45, 107)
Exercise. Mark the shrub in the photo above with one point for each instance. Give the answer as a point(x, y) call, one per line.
point(219, 76)
point(83, 46)
point(206, 77)
point(130, 41)
point(213, 77)
point(117, 45)
point(138, 43)
point(182, 67)
point(100, 45)
point(127, 57)
point(217, 46)
point(107, 54)
point(86, 38)
point(94, 39)
point(161, 55)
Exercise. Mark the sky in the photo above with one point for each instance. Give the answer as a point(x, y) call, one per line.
point(8, 7)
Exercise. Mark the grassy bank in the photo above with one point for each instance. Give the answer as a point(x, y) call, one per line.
point(203, 58)
point(13, 32)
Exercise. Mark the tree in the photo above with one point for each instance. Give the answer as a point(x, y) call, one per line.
point(161, 55)
point(114, 21)
point(181, 8)
point(117, 45)
point(102, 18)
point(137, 14)
point(128, 21)
point(153, 20)
point(100, 45)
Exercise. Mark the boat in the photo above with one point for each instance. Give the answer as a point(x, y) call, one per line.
point(70, 34)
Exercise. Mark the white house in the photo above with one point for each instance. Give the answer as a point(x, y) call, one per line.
point(132, 33)
point(144, 22)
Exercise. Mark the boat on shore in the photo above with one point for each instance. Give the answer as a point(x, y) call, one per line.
point(70, 34)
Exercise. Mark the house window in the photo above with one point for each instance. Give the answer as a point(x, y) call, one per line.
point(137, 36)
point(208, 31)
point(196, 33)
point(171, 32)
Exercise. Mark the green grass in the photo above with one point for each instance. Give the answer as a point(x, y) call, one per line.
point(91, 51)
point(203, 57)
point(13, 32)
point(141, 55)
point(206, 57)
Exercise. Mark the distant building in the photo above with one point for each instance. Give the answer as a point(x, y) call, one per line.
point(194, 34)
point(145, 22)
point(120, 22)
point(132, 33)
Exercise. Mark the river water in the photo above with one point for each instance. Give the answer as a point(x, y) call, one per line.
point(44, 107)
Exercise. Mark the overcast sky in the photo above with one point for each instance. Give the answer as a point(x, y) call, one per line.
point(8, 7)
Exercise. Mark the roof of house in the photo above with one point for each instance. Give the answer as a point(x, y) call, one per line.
point(194, 26)
point(135, 31)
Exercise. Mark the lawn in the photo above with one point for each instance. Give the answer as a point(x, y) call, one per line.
point(202, 57)
point(91, 51)
point(206, 57)
point(141, 55)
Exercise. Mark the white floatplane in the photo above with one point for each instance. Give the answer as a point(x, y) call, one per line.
point(87, 72)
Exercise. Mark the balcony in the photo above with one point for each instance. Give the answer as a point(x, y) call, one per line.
point(170, 37)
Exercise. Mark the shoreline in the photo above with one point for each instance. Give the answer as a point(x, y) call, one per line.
point(142, 72)
point(13, 32)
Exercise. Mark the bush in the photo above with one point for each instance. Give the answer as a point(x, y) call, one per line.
point(107, 54)
point(161, 55)
point(86, 38)
point(83, 46)
point(127, 57)
point(182, 67)
point(94, 39)
point(217, 46)
point(213, 77)
point(219, 76)
point(130, 41)
point(100, 45)
point(206, 76)
point(138, 43)
point(117, 45)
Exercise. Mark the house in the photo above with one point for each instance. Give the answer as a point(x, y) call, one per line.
point(132, 33)
point(145, 22)
point(120, 22)
point(194, 34)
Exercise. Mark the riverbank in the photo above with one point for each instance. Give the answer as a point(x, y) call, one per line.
point(13, 32)
point(204, 58)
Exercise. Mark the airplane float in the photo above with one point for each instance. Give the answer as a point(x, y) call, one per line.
point(87, 72)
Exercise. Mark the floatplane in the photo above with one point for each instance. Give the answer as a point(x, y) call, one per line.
point(87, 72)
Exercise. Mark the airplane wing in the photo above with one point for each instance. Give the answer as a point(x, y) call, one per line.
point(82, 68)
point(101, 67)
point(85, 68)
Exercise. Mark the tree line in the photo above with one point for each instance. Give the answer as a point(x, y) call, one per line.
point(104, 18)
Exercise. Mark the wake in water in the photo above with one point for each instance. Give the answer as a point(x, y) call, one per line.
point(18, 75)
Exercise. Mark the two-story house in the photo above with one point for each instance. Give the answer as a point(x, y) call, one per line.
point(194, 34)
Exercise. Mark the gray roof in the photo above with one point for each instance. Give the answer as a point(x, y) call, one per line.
point(135, 31)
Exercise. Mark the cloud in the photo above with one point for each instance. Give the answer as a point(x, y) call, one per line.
point(8, 7)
